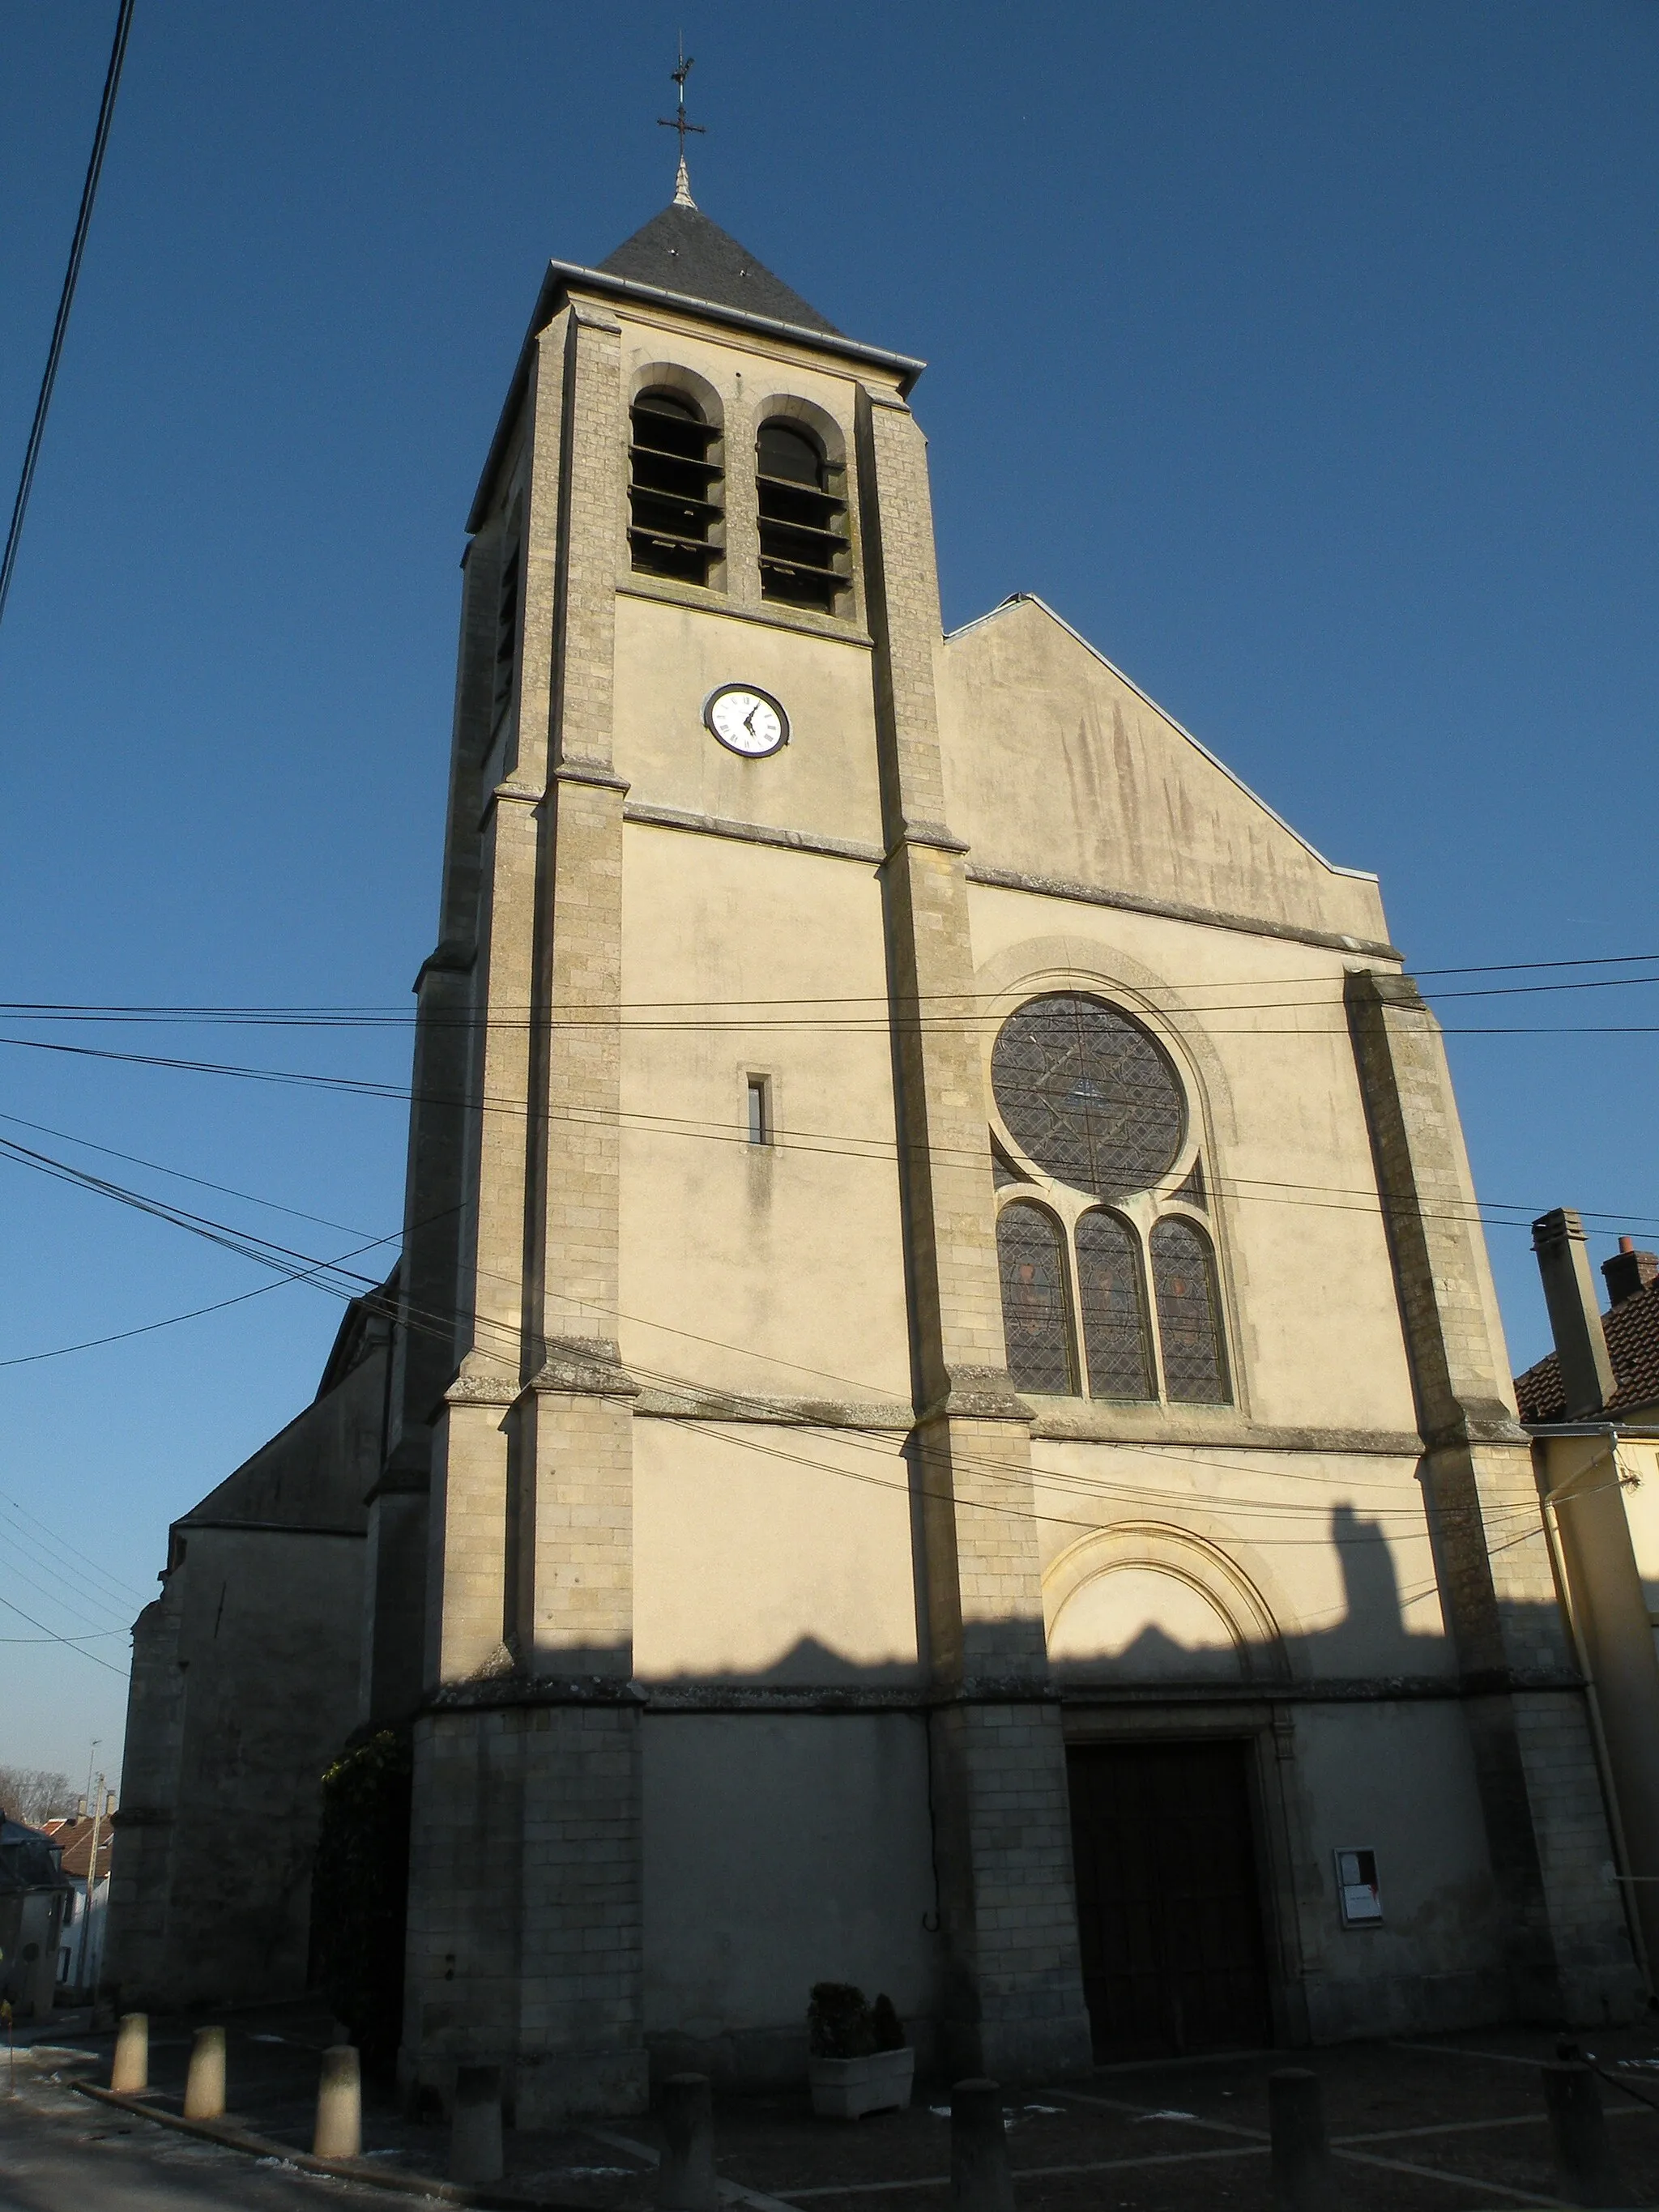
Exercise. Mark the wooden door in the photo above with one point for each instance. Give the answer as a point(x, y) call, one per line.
point(1169, 1911)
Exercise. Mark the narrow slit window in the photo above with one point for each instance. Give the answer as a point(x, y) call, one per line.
point(804, 557)
point(673, 488)
point(1037, 1325)
point(1188, 1316)
point(759, 1110)
point(506, 639)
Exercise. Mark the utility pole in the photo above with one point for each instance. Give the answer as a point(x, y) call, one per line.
point(95, 1805)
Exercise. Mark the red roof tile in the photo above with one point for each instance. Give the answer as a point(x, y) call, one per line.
point(1632, 1328)
point(74, 1839)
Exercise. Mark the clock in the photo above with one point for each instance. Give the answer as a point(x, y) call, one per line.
point(746, 721)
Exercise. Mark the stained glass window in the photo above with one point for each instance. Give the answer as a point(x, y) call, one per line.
point(1036, 1324)
point(1113, 1309)
point(1088, 1094)
point(1188, 1321)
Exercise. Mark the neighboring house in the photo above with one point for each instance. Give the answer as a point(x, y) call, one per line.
point(1592, 1406)
point(34, 1893)
point(80, 1941)
point(947, 1426)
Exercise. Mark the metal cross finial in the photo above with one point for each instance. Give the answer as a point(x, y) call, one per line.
point(677, 122)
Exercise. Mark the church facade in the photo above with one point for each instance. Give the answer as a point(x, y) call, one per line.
point(946, 1426)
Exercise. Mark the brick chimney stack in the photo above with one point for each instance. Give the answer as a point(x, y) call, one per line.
point(1558, 1239)
point(1628, 1271)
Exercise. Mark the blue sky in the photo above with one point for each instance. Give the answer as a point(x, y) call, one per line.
point(1302, 357)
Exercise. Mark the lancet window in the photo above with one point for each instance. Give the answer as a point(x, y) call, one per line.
point(1110, 1286)
point(507, 627)
point(673, 487)
point(804, 557)
point(1036, 1317)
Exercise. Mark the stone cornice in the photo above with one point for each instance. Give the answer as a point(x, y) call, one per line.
point(1085, 1421)
point(1080, 1700)
point(599, 773)
point(480, 1384)
point(713, 1405)
point(1058, 887)
point(581, 1366)
point(976, 1394)
point(750, 833)
point(704, 599)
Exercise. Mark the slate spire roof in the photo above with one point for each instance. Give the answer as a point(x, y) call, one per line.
point(681, 250)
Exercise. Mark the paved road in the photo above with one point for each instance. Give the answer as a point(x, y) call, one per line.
point(61, 2153)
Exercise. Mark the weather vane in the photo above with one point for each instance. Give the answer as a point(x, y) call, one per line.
point(677, 122)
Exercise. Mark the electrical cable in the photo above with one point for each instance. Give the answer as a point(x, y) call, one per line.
point(443, 1326)
point(71, 277)
point(49, 1535)
point(178, 1175)
point(75, 1644)
point(403, 1016)
point(79, 1585)
point(9, 1566)
point(262, 1250)
point(812, 1142)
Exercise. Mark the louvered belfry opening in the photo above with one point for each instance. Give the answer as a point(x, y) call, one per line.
point(803, 557)
point(673, 488)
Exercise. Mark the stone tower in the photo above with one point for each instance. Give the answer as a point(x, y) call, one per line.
point(696, 779)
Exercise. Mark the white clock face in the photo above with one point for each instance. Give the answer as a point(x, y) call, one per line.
point(748, 721)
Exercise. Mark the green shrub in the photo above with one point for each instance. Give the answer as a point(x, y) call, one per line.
point(842, 2025)
point(360, 1891)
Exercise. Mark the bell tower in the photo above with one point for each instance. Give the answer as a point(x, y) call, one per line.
point(727, 1494)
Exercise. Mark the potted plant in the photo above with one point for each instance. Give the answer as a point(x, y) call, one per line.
point(859, 2061)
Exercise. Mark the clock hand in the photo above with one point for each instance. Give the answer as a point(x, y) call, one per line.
point(749, 719)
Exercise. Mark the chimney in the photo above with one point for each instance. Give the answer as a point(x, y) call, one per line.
point(1558, 1239)
point(1628, 1271)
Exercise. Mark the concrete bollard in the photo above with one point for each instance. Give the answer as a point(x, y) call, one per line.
point(130, 2074)
point(685, 2179)
point(339, 2104)
point(204, 2085)
point(474, 2137)
point(979, 2177)
point(1578, 2135)
point(1303, 2177)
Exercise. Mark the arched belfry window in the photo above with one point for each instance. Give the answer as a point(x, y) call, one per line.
point(1184, 1279)
point(804, 557)
point(1097, 1106)
point(673, 487)
point(1036, 1319)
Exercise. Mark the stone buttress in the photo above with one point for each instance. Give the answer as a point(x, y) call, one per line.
point(1013, 2005)
point(524, 1934)
point(1567, 1946)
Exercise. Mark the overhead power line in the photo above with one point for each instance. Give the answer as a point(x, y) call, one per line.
point(843, 1013)
point(635, 1120)
point(60, 1569)
point(402, 1016)
point(46, 1533)
point(75, 1643)
point(503, 1343)
point(71, 276)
